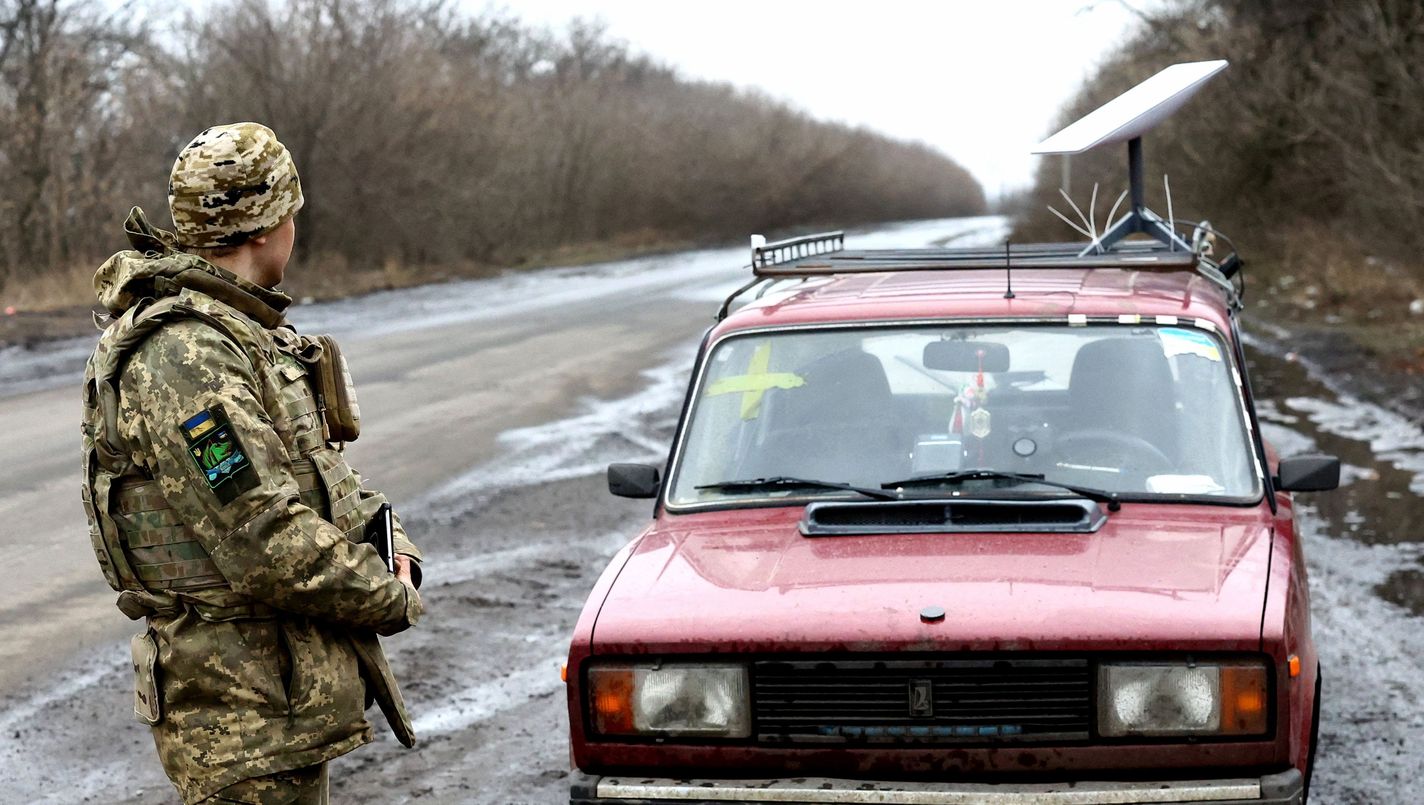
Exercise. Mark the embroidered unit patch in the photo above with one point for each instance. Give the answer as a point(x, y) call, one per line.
point(219, 455)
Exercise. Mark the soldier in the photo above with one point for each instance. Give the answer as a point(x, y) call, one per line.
point(220, 504)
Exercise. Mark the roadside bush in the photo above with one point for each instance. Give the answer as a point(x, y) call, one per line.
point(1310, 140)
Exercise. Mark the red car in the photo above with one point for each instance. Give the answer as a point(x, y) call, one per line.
point(953, 526)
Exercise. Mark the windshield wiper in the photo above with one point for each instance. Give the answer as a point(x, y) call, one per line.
point(960, 476)
point(784, 482)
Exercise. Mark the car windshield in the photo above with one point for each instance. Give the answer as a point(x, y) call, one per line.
point(1139, 411)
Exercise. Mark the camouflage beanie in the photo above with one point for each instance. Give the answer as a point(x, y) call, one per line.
point(232, 183)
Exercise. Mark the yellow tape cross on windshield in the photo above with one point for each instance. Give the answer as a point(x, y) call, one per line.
point(755, 382)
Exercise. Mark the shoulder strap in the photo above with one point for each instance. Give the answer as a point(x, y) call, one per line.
point(226, 292)
point(134, 331)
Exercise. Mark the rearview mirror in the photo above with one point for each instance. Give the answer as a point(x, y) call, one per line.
point(1308, 474)
point(966, 356)
point(633, 480)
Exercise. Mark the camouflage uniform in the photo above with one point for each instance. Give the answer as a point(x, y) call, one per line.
point(223, 513)
point(309, 786)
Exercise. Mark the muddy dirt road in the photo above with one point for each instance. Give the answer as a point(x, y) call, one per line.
point(492, 408)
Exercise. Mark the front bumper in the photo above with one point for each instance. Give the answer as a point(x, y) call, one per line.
point(1285, 788)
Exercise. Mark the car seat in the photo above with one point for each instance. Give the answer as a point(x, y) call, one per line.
point(838, 426)
point(1125, 386)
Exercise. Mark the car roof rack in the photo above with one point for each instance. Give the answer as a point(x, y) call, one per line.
point(1124, 119)
point(810, 256)
point(824, 255)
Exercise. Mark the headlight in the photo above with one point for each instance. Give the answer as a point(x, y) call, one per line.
point(1179, 699)
point(675, 699)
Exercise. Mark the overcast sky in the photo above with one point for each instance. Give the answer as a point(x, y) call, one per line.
point(981, 80)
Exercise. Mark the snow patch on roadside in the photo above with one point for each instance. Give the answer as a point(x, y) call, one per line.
point(1391, 437)
point(47, 365)
point(484, 700)
point(90, 673)
point(1372, 724)
point(95, 785)
point(28, 769)
point(633, 428)
point(510, 294)
point(1279, 430)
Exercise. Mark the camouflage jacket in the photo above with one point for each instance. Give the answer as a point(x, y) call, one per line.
point(225, 518)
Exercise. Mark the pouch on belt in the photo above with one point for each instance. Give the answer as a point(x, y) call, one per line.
point(145, 665)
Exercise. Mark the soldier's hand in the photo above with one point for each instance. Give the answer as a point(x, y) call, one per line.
point(414, 606)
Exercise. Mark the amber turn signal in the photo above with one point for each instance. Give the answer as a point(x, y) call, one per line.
point(1243, 700)
point(1294, 664)
point(611, 694)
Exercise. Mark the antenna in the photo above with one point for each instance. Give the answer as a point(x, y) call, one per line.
point(1171, 219)
point(1008, 273)
point(1125, 119)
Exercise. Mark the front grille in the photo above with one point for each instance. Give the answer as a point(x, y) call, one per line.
point(929, 701)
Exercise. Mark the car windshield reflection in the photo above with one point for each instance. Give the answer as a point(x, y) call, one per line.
point(1135, 411)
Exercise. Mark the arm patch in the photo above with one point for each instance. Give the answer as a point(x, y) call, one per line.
point(214, 446)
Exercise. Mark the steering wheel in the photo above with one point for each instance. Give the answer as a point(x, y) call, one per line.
point(1126, 449)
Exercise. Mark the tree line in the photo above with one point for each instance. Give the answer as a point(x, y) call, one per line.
point(1309, 148)
point(424, 135)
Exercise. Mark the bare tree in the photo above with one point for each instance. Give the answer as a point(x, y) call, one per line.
point(424, 137)
point(58, 69)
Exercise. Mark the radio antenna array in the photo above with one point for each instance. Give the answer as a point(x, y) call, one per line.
point(1125, 119)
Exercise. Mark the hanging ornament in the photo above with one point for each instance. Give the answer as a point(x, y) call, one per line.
point(979, 423)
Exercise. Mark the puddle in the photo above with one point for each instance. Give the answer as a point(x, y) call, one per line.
point(1381, 498)
point(1404, 588)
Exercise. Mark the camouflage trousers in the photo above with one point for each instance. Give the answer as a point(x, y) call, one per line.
point(309, 786)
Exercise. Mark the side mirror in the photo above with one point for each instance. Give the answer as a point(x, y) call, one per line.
point(633, 480)
point(1308, 474)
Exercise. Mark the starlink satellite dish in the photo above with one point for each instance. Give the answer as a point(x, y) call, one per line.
point(1125, 119)
point(1135, 112)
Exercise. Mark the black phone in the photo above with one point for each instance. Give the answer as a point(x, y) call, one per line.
point(381, 532)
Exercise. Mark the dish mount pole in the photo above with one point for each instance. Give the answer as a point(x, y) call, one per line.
point(1134, 175)
point(1139, 219)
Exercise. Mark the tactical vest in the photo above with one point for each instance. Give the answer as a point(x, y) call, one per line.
point(145, 551)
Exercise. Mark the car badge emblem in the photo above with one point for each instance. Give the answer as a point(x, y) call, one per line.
point(921, 698)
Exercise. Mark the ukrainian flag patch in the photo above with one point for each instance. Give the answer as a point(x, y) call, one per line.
point(220, 457)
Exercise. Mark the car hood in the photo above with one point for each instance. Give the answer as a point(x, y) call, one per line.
point(1153, 577)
